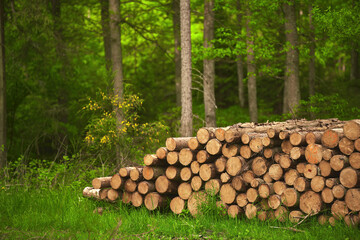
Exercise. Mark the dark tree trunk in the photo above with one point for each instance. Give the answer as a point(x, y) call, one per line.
point(177, 53)
point(209, 65)
point(186, 98)
point(106, 32)
point(2, 89)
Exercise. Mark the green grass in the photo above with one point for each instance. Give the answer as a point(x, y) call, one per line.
point(65, 214)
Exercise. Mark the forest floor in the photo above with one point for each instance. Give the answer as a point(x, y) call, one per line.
point(65, 214)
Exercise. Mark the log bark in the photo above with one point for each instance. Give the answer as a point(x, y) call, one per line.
point(91, 192)
point(151, 173)
point(357, 144)
point(164, 185)
point(184, 190)
point(146, 187)
point(196, 183)
point(125, 171)
point(177, 205)
point(152, 160)
point(103, 182)
point(176, 144)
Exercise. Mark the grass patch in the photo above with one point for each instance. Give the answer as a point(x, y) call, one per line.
point(65, 214)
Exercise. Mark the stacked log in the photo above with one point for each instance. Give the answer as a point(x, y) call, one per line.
point(274, 170)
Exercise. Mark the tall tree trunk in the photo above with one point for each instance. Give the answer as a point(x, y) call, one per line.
point(354, 71)
point(117, 67)
point(106, 32)
point(239, 62)
point(177, 54)
point(251, 70)
point(292, 85)
point(186, 129)
point(209, 65)
point(312, 72)
point(2, 88)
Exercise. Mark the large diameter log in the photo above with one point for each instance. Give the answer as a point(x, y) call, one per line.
point(250, 211)
point(91, 192)
point(354, 160)
point(184, 190)
point(346, 146)
point(103, 182)
point(326, 170)
point(245, 151)
point(234, 210)
point(338, 162)
point(176, 144)
point(177, 205)
point(207, 171)
point(164, 185)
point(238, 184)
point(265, 190)
point(296, 153)
point(227, 193)
point(113, 194)
point(310, 202)
point(252, 195)
point(204, 135)
point(260, 166)
point(213, 146)
point(313, 137)
point(248, 176)
point(230, 150)
point(317, 183)
point(274, 201)
point(186, 156)
point(126, 197)
point(350, 177)
point(172, 158)
point(352, 130)
point(327, 196)
point(352, 199)
point(196, 183)
point(311, 170)
point(136, 174)
point(151, 173)
point(173, 173)
point(117, 182)
point(339, 209)
point(212, 186)
point(195, 167)
point(153, 160)
point(234, 165)
point(194, 144)
point(137, 199)
point(162, 152)
point(286, 162)
point(145, 187)
point(241, 200)
point(130, 185)
point(302, 184)
point(196, 200)
point(204, 157)
point(256, 145)
point(276, 171)
point(330, 138)
point(297, 138)
point(313, 153)
point(279, 187)
point(290, 176)
point(220, 164)
point(186, 174)
point(125, 171)
point(286, 146)
point(154, 200)
point(339, 191)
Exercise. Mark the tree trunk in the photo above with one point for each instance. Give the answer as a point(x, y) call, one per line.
point(106, 32)
point(177, 53)
point(239, 62)
point(209, 65)
point(251, 73)
point(292, 85)
point(117, 67)
point(2, 90)
point(354, 73)
point(186, 129)
point(312, 73)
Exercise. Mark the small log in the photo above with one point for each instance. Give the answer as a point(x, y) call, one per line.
point(225, 177)
point(213, 186)
point(151, 173)
point(330, 138)
point(241, 200)
point(352, 220)
point(310, 202)
point(252, 195)
point(313, 153)
point(117, 182)
point(332, 221)
point(195, 167)
point(279, 187)
point(125, 171)
point(161, 153)
point(184, 190)
point(176, 144)
point(145, 187)
point(233, 135)
point(357, 144)
point(297, 138)
point(235, 165)
point(207, 171)
point(204, 157)
point(259, 166)
point(267, 178)
point(195, 201)
point(136, 174)
point(213, 146)
point(290, 176)
point(346, 146)
point(301, 184)
point(297, 153)
point(352, 130)
point(113, 194)
point(103, 182)
point(186, 174)
point(339, 191)
point(103, 193)
point(222, 207)
point(137, 199)
point(268, 153)
point(317, 183)
point(172, 158)
point(281, 214)
point(256, 182)
point(276, 157)
point(286, 146)
point(251, 211)
point(311, 170)
point(177, 205)
point(283, 135)
point(274, 201)
point(196, 183)
point(354, 160)
point(276, 172)
point(126, 197)
point(327, 196)
point(153, 160)
point(173, 173)
point(339, 209)
point(295, 216)
point(164, 185)
point(154, 200)
point(265, 190)
point(234, 210)
point(256, 145)
point(194, 144)
point(350, 177)
point(338, 162)
point(313, 137)
point(91, 192)
point(328, 153)
point(272, 133)
point(238, 184)
point(186, 156)
point(220, 164)
point(227, 193)
point(248, 176)
point(286, 162)
point(130, 186)
point(245, 151)
point(326, 170)
point(331, 182)
point(270, 143)
point(230, 150)
point(352, 199)
point(246, 137)
point(300, 167)
point(220, 133)
point(204, 135)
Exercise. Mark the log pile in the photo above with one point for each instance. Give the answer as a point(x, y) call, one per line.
point(274, 170)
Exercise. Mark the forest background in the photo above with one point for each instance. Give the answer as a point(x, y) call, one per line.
point(61, 110)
